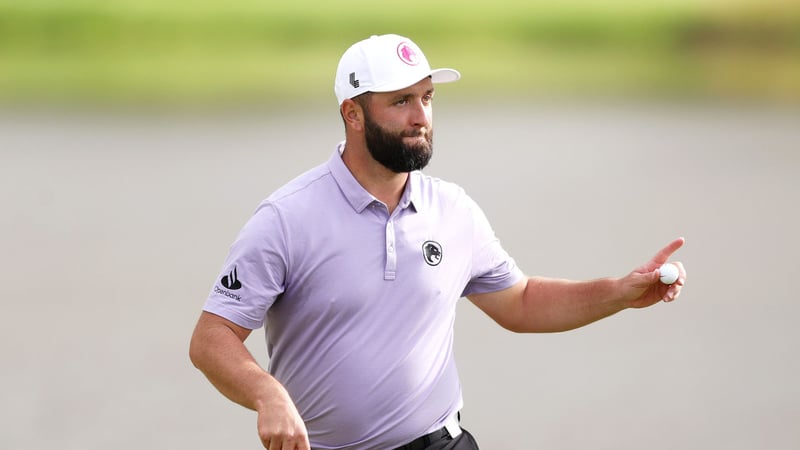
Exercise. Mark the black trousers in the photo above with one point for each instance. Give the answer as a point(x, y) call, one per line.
point(441, 440)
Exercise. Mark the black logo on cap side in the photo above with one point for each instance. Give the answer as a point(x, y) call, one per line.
point(231, 280)
point(355, 83)
point(432, 252)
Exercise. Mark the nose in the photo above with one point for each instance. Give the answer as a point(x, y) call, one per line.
point(421, 114)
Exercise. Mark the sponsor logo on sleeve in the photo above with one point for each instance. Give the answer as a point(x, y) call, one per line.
point(231, 282)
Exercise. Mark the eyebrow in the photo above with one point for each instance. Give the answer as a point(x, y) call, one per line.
point(408, 95)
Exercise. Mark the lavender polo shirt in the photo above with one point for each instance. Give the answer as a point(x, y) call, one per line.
point(359, 305)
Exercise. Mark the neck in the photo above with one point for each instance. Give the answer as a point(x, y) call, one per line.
point(382, 183)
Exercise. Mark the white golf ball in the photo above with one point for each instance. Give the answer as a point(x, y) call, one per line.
point(669, 273)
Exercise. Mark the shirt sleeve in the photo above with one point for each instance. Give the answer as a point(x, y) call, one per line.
point(254, 273)
point(493, 269)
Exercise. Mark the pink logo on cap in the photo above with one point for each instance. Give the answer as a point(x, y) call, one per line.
point(407, 54)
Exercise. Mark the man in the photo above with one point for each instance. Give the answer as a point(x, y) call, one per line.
point(355, 269)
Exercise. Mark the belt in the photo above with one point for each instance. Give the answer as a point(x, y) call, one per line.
point(450, 429)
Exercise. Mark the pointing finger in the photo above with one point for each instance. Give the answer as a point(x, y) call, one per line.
point(663, 255)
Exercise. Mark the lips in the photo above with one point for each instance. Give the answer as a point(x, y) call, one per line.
point(415, 133)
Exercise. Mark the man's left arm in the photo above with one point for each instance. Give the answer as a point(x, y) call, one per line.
point(539, 305)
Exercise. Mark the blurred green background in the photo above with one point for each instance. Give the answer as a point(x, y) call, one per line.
point(233, 52)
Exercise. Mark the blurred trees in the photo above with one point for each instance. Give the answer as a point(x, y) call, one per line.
point(246, 51)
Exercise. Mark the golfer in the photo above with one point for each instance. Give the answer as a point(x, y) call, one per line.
point(355, 268)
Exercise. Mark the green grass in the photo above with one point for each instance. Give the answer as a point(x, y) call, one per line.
point(256, 52)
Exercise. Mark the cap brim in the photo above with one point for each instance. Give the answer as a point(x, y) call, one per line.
point(445, 75)
point(437, 76)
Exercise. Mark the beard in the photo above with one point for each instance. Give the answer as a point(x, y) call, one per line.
point(391, 152)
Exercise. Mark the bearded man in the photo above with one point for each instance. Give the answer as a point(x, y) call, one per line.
point(355, 269)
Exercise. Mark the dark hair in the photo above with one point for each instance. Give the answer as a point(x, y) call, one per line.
point(363, 99)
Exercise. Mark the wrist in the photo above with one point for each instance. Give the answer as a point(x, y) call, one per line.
point(271, 395)
point(618, 294)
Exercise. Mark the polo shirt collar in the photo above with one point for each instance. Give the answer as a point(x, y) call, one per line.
point(411, 196)
point(358, 197)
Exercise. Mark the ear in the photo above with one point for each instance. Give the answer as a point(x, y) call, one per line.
point(353, 114)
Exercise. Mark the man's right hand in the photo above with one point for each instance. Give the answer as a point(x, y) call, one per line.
point(280, 426)
point(218, 350)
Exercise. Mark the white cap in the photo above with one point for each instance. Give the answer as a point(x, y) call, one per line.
point(384, 64)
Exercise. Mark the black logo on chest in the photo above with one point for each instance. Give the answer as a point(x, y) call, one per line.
point(432, 252)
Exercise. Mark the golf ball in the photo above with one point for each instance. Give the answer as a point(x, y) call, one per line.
point(669, 273)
